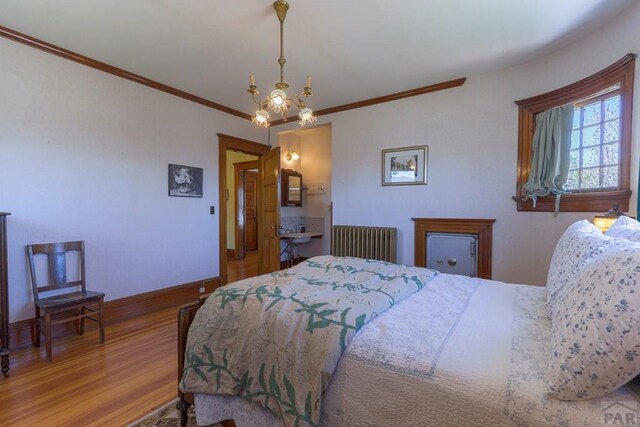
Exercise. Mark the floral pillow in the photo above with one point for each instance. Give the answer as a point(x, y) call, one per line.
point(626, 228)
point(595, 342)
point(581, 241)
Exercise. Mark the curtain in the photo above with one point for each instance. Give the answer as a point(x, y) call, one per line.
point(550, 162)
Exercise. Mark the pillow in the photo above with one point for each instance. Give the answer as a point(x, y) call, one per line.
point(625, 228)
point(595, 334)
point(578, 243)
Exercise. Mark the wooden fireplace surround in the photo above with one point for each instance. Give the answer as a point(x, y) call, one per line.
point(483, 228)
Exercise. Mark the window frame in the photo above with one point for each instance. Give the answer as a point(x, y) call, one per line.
point(622, 73)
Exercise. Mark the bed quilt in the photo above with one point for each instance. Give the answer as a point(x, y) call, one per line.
point(276, 339)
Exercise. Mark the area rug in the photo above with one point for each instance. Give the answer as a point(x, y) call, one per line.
point(167, 416)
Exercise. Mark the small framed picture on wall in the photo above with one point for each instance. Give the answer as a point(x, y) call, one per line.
point(185, 181)
point(405, 166)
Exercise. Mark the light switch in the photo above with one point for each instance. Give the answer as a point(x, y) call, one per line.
point(212, 210)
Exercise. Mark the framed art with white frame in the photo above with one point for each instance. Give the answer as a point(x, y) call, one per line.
point(405, 166)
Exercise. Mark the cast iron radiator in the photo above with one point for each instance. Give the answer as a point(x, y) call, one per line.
point(364, 242)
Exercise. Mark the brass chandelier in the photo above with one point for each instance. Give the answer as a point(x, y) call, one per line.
point(278, 101)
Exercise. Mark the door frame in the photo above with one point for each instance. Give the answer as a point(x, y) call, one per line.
point(240, 169)
point(228, 142)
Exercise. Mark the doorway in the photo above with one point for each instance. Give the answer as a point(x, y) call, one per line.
point(230, 144)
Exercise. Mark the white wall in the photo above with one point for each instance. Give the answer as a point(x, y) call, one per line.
point(472, 136)
point(84, 155)
point(315, 149)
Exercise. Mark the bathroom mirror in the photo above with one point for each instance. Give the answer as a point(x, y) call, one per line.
point(291, 188)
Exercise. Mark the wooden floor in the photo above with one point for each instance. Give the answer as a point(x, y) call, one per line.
point(243, 268)
point(89, 384)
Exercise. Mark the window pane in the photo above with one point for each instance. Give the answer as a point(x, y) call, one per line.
point(590, 178)
point(591, 135)
point(572, 181)
point(612, 131)
point(590, 157)
point(610, 176)
point(611, 108)
point(591, 113)
point(575, 138)
point(610, 154)
point(576, 118)
point(574, 159)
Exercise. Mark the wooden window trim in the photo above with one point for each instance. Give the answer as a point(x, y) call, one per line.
point(621, 72)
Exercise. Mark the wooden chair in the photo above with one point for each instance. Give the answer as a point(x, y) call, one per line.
point(62, 307)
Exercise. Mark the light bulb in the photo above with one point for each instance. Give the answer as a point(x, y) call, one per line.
point(261, 118)
point(306, 116)
point(278, 100)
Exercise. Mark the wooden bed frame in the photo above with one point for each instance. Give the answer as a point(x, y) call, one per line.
point(185, 400)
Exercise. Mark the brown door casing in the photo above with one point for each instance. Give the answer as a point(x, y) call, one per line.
point(226, 142)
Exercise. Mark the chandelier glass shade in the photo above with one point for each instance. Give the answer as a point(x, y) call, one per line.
point(278, 101)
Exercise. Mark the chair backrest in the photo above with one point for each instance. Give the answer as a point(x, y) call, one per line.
point(57, 265)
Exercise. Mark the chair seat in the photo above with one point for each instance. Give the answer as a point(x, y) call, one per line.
point(69, 299)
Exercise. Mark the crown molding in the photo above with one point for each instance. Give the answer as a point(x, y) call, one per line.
point(18, 37)
point(382, 99)
point(93, 63)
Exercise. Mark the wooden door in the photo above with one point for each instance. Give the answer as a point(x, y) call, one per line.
point(251, 210)
point(269, 236)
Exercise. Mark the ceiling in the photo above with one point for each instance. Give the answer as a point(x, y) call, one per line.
point(354, 50)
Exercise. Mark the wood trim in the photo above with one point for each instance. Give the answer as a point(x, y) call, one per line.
point(621, 72)
point(44, 46)
point(228, 142)
point(482, 227)
point(596, 202)
point(16, 36)
point(125, 308)
point(186, 315)
point(382, 99)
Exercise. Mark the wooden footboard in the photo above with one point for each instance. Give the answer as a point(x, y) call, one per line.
point(185, 317)
point(185, 400)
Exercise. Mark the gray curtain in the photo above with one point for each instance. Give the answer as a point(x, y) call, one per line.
point(550, 162)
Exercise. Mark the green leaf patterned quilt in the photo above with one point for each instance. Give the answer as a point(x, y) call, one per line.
point(275, 340)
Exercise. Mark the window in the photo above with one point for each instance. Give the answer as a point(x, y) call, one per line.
point(599, 171)
point(595, 143)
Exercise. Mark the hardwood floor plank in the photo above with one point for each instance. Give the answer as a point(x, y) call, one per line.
point(87, 384)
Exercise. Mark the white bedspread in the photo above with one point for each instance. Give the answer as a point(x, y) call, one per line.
point(461, 351)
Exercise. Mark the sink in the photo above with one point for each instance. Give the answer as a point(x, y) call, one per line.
point(298, 238)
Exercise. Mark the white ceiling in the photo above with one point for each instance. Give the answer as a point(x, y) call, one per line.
point(353, 50)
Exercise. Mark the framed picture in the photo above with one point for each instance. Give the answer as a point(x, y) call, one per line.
point(185, 181)
point(405, 166)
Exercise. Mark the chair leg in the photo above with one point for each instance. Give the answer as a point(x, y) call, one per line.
point(101, 319)
point(36, 330)
point(83, 312)
point(47, 334)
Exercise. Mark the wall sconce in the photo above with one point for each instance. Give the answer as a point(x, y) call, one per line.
point(603, 222)
point(292, 156)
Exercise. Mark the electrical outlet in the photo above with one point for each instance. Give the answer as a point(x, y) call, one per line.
point(202, 289)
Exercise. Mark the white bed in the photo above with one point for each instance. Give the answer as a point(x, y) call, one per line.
point(461, 351)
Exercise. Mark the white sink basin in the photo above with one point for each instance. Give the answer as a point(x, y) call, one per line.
point(299, 238)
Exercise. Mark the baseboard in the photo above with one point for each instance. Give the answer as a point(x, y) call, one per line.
point(121, 309)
